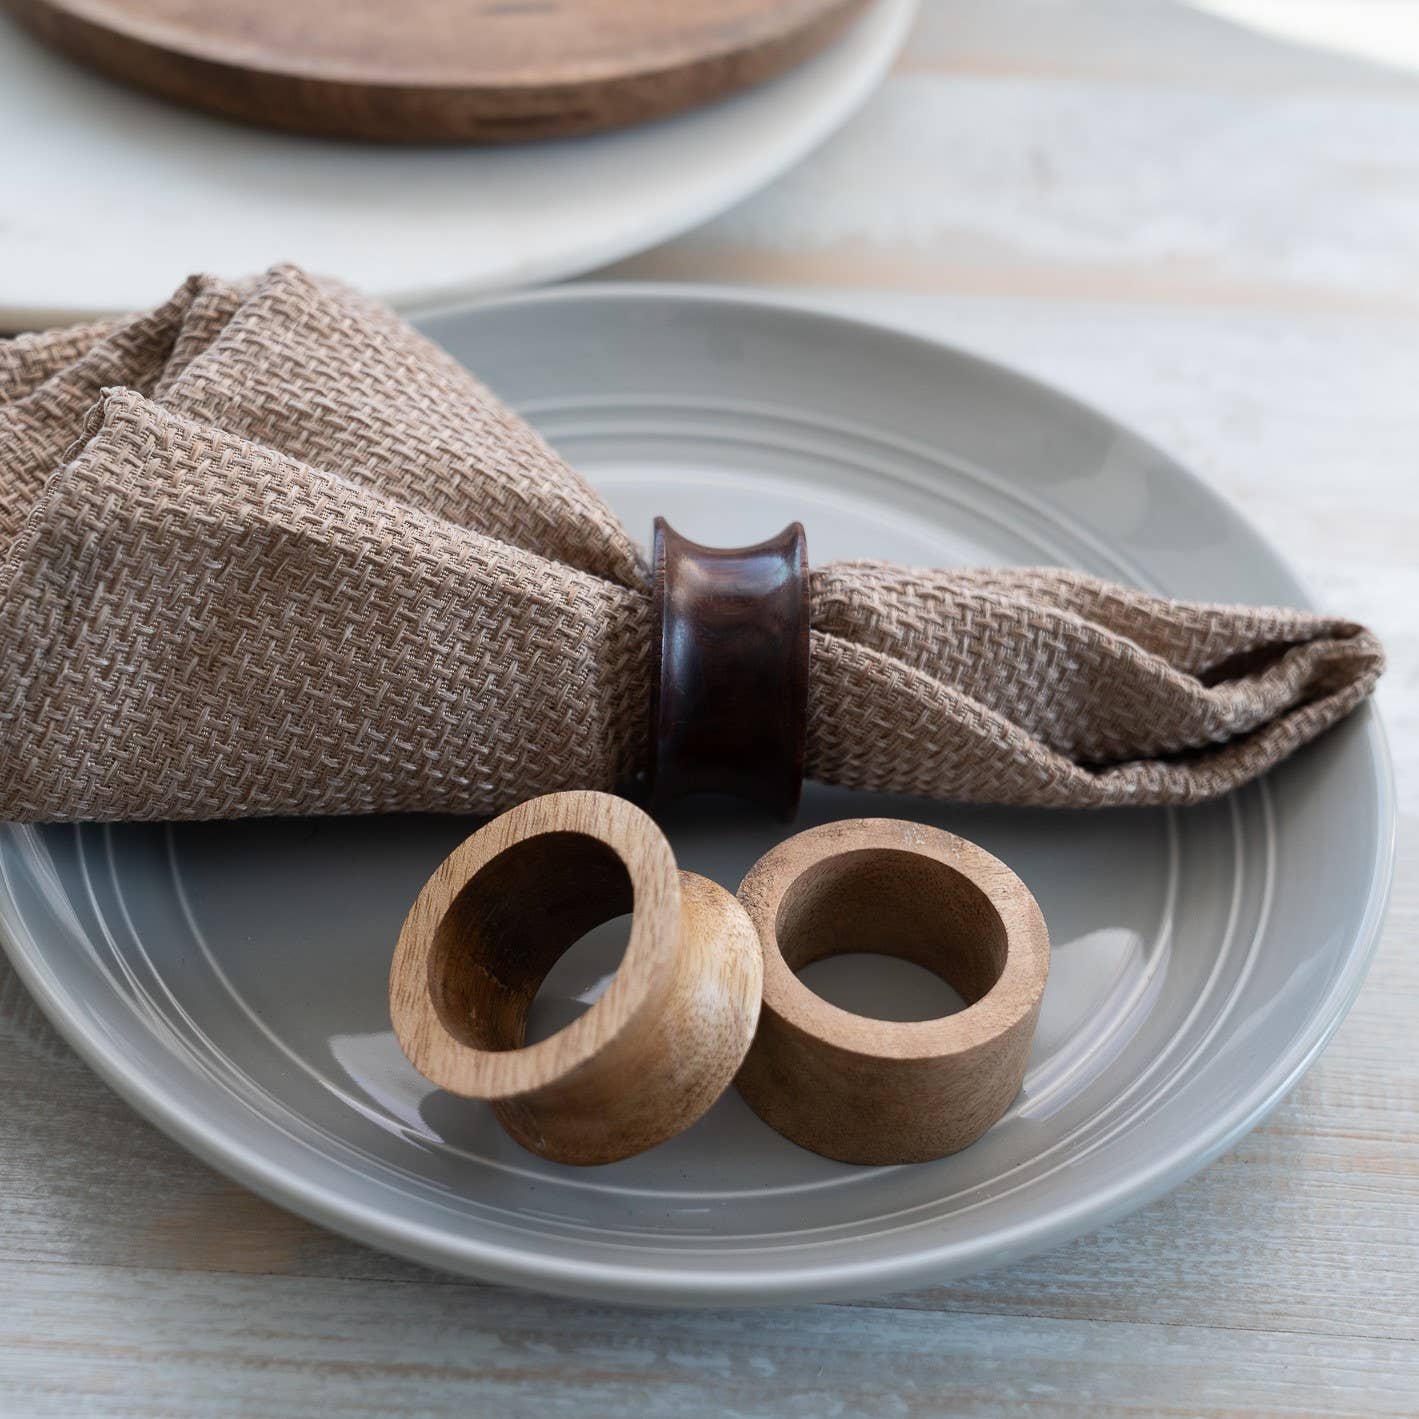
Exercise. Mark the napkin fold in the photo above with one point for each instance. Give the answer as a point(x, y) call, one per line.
point(267, 550)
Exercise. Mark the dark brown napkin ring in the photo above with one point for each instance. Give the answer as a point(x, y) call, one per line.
point(730, 672)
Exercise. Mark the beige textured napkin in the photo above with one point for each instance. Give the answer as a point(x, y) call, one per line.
point(268, 551)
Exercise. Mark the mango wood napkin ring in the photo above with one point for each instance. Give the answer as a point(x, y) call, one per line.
point(878, 1091)
point(730, 672)
point(651, 1054)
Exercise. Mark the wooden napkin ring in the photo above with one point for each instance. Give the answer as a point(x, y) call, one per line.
point(730, 672)
point(877, 1091)
point(651, 1054)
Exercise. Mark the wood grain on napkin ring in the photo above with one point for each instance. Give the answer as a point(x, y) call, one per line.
point(877, 1091)
point(730, 671)
point(650, 1055)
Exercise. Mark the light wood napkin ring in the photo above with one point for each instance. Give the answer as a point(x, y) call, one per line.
point(877, 1091)
point(651, 1054)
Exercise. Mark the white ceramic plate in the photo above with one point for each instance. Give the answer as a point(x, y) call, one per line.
point(113, 196)
point(229, 979)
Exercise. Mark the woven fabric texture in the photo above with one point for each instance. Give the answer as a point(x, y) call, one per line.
point(266, 550)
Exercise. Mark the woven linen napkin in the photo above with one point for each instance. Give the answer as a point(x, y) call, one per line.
point(266, 550)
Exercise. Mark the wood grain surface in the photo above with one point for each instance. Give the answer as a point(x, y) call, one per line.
point(440, 70)
point(654, 1050)
point(1215, 237)
point(891, 1091)
point(729, 668)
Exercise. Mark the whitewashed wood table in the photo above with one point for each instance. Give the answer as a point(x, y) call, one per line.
point(1214, 236)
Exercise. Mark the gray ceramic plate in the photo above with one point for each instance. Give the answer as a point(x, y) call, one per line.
point(229, 979)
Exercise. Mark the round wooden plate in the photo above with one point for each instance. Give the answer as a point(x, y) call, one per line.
point(440, 70)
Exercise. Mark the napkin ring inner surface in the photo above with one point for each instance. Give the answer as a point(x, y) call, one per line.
point(729, 675)
point(651, 1054)
point(876, 1091)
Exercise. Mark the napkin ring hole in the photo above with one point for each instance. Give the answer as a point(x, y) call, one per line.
point(510, 924)
point(890, 902)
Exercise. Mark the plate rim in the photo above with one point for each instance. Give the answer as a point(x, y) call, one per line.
point(659, 1283)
